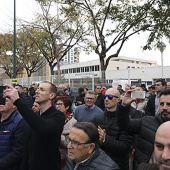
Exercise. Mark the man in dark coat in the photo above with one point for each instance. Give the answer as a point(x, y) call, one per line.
point(23, 96)
point(145, 127)
point(152, 107)
point(83, 149)
point(46, 128)
point(80, 97)
point(99, 96)
point(115, 142)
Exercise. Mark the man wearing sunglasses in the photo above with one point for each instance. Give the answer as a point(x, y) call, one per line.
point(114, 142)
point(83, 149)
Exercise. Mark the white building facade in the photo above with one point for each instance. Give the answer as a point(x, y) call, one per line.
point(120, 68)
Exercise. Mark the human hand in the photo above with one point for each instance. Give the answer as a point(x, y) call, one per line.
point(102, 134)
point(126, 99)
point(11, 93)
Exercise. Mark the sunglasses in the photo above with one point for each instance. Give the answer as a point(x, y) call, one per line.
point(110, 96)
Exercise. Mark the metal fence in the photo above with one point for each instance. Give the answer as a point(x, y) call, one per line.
point(74, 83)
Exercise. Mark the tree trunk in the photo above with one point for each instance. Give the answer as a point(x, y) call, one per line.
point(59, 73)
point(103, 75)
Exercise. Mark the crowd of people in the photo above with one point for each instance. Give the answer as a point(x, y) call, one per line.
point(45, 127)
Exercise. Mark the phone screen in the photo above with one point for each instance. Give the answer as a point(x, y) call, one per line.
point(2, 100)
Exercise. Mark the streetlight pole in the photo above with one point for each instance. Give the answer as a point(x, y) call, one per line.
point(161, 46)
point(14, 43)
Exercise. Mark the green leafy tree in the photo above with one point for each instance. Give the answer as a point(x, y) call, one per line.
point(6, 48)
point(28, 52)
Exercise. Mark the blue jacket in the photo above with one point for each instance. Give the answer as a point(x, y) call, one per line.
point(12, 137)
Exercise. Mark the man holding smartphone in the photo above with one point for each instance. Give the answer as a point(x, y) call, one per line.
point(13, 135)
point(145, 127)
point(46, 128)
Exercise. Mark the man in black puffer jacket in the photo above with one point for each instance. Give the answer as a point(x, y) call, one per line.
point(146, 126)
point(83, 149)
point(115, 142)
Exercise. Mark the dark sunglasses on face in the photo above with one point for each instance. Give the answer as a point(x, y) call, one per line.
point(110, 96)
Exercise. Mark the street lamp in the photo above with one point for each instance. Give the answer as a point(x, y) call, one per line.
point(161, 46)
point(14, 43)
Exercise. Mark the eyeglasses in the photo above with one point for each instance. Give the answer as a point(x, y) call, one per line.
point(59, 104)
point(110, 96)
point(75, 144)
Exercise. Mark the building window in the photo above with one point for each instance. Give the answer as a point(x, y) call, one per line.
point(66, 71)
point(117, 68)
point(78, 70)
point(110, 81)
point(82, 69)
point(86, 69)
point(91, 68)
point(70, 70)
point(97, 68)
point(74, 70)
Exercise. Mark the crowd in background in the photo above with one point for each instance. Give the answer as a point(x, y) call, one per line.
point(101, 129)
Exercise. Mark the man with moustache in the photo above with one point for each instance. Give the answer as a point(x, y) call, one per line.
point(145, 127)
point(161, 149)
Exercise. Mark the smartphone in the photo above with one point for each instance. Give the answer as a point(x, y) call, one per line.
point(138, 94)
point(2, 100)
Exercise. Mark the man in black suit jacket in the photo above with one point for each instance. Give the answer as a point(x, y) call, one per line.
point(153, 102)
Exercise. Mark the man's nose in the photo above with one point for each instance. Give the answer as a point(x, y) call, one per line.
point(166, 154)
point(69, 145)
point(164, 107)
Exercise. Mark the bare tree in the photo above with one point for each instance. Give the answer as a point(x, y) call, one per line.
point(58, 33)
point(114, 22)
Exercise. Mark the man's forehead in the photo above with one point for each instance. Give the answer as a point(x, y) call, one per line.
point(75, 132)
point(44, 85)
point(90, 95)
point(158, 82)
point(165, 98)
point(111, 91)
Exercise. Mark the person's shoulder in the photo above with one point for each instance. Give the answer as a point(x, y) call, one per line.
point(82, 106)
point(148, 166)
point(54, 112)
point(105, 162)
point(152, 97)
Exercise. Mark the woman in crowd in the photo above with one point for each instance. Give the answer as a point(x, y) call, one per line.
point(64, 103)
point(36, 107)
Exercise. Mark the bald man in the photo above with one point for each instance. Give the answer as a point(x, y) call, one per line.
point(145, 127)
point(161, 149)
point(162, 146)
point(114, 142)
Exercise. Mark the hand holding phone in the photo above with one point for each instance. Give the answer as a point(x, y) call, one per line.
point(138, 94)
point(2, 99)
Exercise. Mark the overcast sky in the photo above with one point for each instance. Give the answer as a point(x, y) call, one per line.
point(26, 8)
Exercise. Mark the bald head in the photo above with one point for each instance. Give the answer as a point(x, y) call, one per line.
point(162, 146)
point(113, 91)
point(112, 97)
